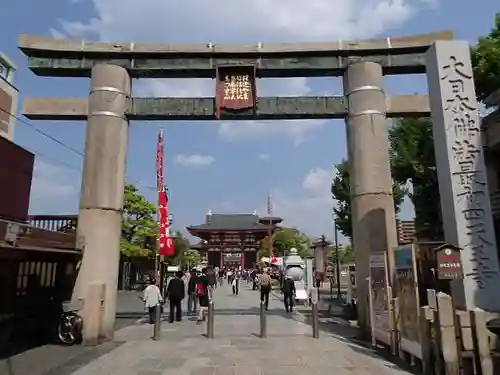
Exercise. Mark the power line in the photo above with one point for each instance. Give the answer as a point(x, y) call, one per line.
point(43, 133)
point(61, 143)
point(55, 161)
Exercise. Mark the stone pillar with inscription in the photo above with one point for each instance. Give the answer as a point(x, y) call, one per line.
point(462, 175)
point(372, 203)
point(101, 201)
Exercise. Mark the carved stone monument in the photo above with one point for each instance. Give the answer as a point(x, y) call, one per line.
point(463, 187)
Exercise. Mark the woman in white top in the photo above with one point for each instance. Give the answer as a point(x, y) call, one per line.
point(152, 299)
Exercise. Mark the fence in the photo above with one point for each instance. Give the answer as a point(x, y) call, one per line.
point(417, 321)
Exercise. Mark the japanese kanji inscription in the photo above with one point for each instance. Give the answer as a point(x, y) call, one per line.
point(235, 88)
point(463, 188)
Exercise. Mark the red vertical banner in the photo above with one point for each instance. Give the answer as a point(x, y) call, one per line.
point(165, 240)
point(235, 88)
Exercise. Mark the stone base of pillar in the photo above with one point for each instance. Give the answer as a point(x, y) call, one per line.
point(100, 264)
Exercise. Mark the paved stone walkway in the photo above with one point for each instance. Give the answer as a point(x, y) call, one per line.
point(236, 348)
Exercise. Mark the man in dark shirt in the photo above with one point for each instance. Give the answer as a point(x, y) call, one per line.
point(253, 276)
point(192, 303)
point(175, 295)
point(203, 293)
point(221, 276)
point(212, 278)
point(288, 293)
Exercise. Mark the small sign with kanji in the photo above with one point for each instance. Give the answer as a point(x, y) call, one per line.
point(449, 264)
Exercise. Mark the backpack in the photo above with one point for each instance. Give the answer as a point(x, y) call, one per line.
point(200, 289)
point(265, 281)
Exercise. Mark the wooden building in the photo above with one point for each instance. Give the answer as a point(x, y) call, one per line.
point(37, 264)
point(232, 239)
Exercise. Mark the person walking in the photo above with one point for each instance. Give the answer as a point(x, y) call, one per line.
point(221, 276)
point(236, 283)
point(212, 278)
point(152, 299)
point(203, 294)
point(253, 277)
point(192, 302)
point(288, 290)
point(265, 287)
point(175, 295)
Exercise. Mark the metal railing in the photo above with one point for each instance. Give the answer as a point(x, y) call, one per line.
point(57, 223)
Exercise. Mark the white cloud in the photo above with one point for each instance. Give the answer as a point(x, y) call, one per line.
point(242, 21)
point(263, 157)
point(54, 189)
point(47, 182)
point(195, 160)
point(310, 209)
point(298, 130)
point(318, 182)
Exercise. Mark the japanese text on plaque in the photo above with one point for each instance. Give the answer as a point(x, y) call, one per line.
point(237, 87)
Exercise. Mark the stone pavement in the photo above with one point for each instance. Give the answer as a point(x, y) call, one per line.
point(63, 360)
point(236, 349)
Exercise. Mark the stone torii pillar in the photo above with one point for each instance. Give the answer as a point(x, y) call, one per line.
point(372, 203)
point(101, 201)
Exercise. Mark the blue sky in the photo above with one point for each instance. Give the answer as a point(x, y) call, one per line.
point(225, 167)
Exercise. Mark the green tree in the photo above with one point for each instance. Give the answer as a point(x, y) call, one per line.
point(341, 194)
point(346, 254)
point(413, 161)
point(139, 227)
point(283, 240)
point(181, 250)
point(486, 62)
point(191, 258)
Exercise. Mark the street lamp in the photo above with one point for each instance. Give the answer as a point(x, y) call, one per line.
point(337, 257)
point(319, 247)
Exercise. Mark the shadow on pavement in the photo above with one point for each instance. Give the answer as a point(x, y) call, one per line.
point(48, 358)
point(335, 323)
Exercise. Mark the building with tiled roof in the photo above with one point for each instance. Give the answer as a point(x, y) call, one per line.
point(232, 239)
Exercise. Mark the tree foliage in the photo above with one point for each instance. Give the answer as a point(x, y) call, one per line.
point(346, 254)
point(139, 227)
point(486, 62)
point(284, 239)
point(183, 254)
point(341, 194)
point(140, 231)
point(413, 161)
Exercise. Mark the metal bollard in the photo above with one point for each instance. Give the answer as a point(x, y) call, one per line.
point(210, 320)
point(315, 321)
point(263, 321)
point(157, 323)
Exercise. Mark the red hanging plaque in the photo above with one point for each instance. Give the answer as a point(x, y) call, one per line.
point(235, 88)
